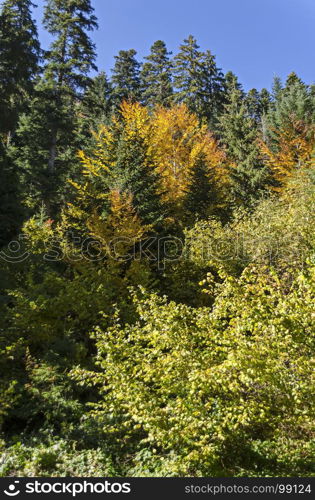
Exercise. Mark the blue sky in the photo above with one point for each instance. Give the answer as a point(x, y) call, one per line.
point(256, 39)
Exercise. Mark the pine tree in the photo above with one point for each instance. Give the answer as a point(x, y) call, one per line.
point(32, 144)
point(198, 81)
point(213, 89)
point(10, 209)
point(239, 134)
point(47, 137)
point(265, 101)
point(19, 60)
point(232, 83)
point(293, 106)
point(202, 196)
point(156, 76)
point(292, 79)
point(277, 88)
point(187, 74)
point(252, 101)
point(71, 55)
point(134, 166)
point(289, 139)
point(126, 77)
point(134, 173)
point(258, 104)
point(97, 101)
point(122, 161)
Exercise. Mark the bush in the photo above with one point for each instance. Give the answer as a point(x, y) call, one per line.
point(221, 391)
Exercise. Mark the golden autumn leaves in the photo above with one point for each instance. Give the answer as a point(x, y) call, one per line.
point(294, 148)
point(173, 139)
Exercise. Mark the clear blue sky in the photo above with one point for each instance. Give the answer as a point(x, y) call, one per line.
point(256, 39)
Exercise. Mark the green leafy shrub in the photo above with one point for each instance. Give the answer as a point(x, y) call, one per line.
point(56, 458)
point(221, 391)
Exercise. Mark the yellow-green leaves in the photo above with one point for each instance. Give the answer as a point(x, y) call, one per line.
point(201, 383)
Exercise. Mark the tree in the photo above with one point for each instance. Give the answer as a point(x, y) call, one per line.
point(97, 101)
point(156, 76)
point(265, 101)
point(71, 55)
point(202, 196)
point(289, 121)
point(239, 134)
point(47, 135)
point(123, 161)
point(258, 105)
point(135, 172)
point(252, 101)
point(293, 103)
point(187, 74)
point(198, 81)
point(277, 88)
point(126, 77)
point(292, 79)
point(32, 144)
point(293, 151)
point(204, 391)
point(213, 89)
point(19, 61)
point(178, 140)
point(10, 208)
point(232, 83)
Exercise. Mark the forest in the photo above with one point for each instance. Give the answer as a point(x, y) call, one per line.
point(157, 260)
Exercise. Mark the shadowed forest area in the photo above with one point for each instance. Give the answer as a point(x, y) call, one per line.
point(157, 260)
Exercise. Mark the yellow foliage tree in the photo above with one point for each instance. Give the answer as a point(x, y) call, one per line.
point(294, 151)
point(122, 228)
point(164, 146)
point(178, 140)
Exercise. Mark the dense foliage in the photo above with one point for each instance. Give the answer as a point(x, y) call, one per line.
point(157, 260)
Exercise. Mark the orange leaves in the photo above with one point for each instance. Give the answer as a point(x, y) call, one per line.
point(172, 139)
point(294, 150)
point(178, 140)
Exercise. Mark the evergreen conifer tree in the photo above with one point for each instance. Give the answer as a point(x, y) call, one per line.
point(19, 61)
point(277, 88)
point(202, 196)
point(188, 74)
point(198, 81)
point(10, 208)
point(47, 137)
point(126, 77)
point(239, 135)
point(71, 55)
point(232, 83)
point(97, 101)
point(156, 76)
point(293, 108)
point(252, 101)
point(265, 101)
point(213, 89)
point(134, 172)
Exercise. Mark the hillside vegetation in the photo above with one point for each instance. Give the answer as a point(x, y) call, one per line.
point(157, 260)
